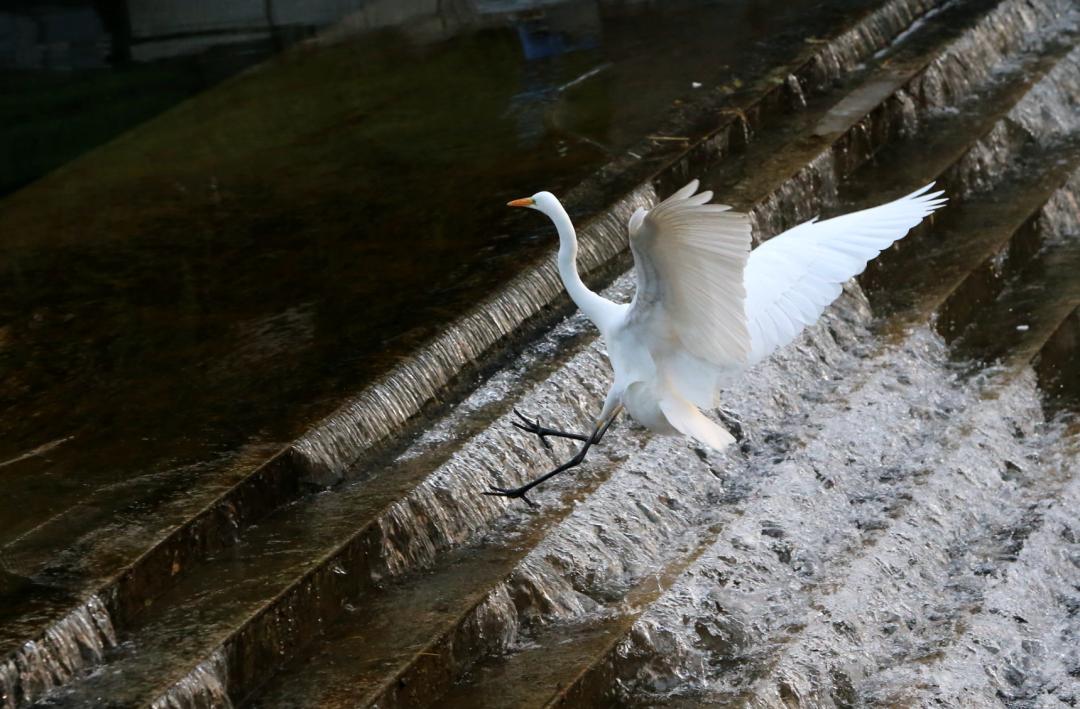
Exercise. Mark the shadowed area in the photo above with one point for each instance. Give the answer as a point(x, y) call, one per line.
point(895, 526)
point(179, 301)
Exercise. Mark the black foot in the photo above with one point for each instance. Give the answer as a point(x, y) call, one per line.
point(531, 426)
point(534, 426)
point(518, 492)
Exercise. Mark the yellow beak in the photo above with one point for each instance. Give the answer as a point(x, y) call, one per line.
point(523, 202)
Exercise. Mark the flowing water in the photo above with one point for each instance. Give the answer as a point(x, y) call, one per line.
point(886, 514)
point(82, 635)
point(179, 301)
point(890, 529)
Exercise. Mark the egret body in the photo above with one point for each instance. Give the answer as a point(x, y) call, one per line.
point(706, 306)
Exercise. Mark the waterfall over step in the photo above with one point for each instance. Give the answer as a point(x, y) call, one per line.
point(894, 526)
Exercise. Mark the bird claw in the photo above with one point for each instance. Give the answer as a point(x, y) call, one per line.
point(531, 426)
point(518, 492)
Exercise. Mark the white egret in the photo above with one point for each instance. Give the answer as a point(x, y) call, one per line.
point(706, 307)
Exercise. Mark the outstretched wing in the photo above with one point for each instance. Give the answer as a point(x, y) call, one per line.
point(689, 258)
point(793, 277)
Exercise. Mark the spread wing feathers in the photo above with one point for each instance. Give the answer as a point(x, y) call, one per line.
point(689, 421)
point(793, 277)
point(689, 259)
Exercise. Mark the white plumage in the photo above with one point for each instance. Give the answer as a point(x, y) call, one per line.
point(791, 278)
point(689, 259)
point(707, 306)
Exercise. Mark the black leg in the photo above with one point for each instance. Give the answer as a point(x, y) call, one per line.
point(598, 433)
point(534, 426)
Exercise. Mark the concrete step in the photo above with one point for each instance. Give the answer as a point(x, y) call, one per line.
point(340, 681)
point(226, 625)
point(980, 244)
point(37, 636)
point(1056, 365)
point(650, 535)
point(830, 622)
point(975, 234)
point(1032, 315)
point(953, 83)
point(476, 598)
point(830, 512)
point(273, 590)
point(965, 522)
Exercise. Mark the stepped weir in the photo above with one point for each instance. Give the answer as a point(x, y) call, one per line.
point(896, 527)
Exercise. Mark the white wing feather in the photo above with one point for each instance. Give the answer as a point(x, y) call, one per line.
point(689, 259)
point(706, 305)
point(791, 278)
point(689, 421)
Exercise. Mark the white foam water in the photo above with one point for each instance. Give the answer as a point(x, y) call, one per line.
point(68, 647)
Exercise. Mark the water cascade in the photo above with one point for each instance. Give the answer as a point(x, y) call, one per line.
point(892, 526)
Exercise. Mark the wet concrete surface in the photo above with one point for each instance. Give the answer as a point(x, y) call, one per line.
point(184, 299)
point(721, 636)
point(896, 506)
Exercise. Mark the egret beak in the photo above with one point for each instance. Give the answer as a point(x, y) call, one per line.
point(523, 202)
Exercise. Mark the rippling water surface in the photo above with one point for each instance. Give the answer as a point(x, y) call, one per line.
point(216, 225)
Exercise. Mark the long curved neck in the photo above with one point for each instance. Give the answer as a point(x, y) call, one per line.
point(594, 306)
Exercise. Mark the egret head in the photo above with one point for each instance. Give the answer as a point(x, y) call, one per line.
point(541, 201)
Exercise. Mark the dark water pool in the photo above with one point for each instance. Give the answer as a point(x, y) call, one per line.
point(255, 210)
